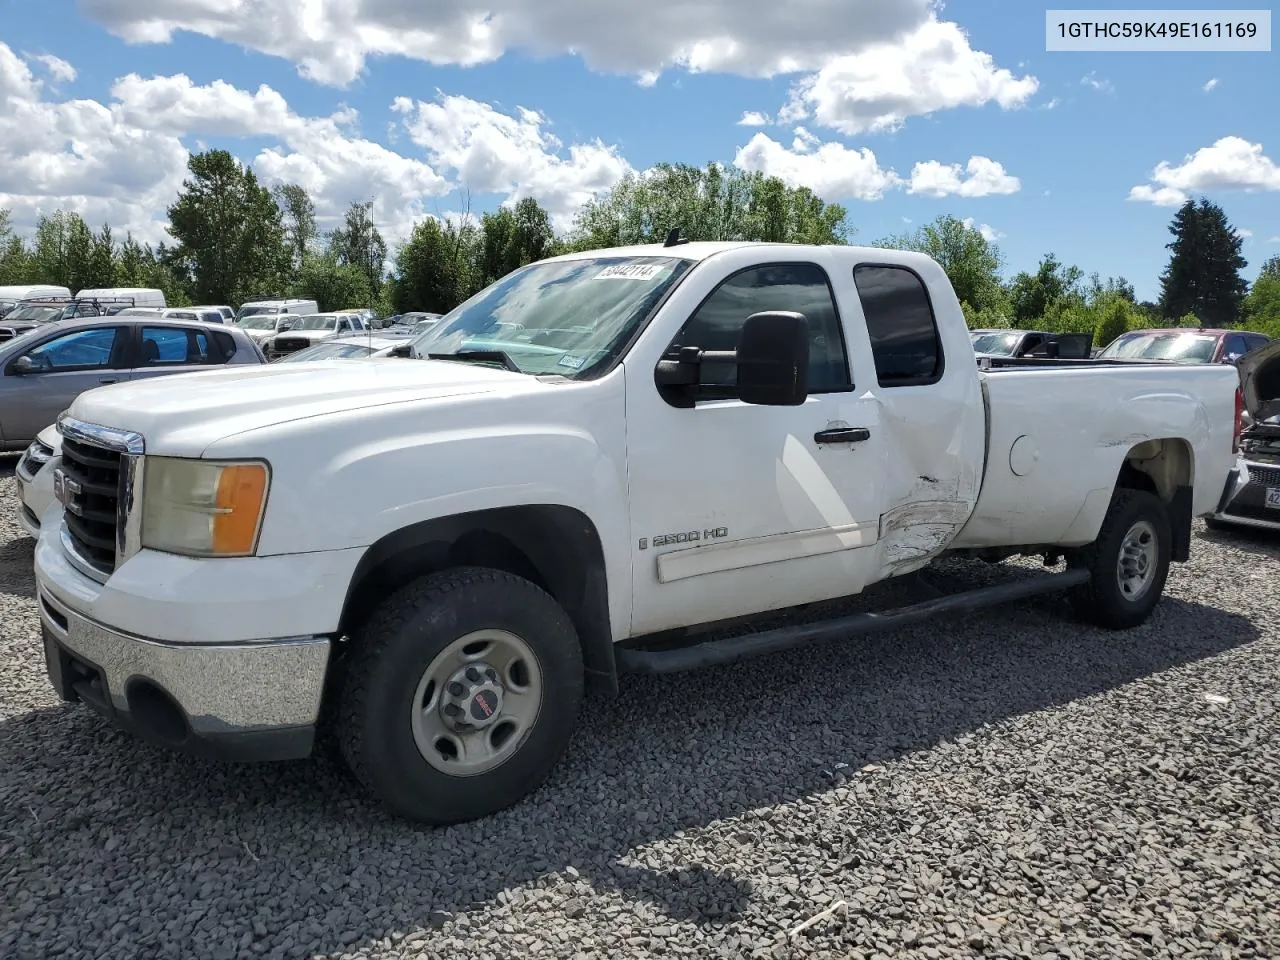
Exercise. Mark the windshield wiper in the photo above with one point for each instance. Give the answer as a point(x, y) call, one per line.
point(479, 356)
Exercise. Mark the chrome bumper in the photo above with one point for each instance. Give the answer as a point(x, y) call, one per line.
point(242, 701)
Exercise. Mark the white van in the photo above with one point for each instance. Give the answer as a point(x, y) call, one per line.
point(27, 291)
point(141, 297)
point(274, 308)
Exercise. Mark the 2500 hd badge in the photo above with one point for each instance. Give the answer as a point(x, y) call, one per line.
point(689, 536)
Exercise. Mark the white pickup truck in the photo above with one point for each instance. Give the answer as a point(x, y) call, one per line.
point(434, 557)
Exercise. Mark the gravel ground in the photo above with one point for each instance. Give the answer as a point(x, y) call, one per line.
point(1006, 785)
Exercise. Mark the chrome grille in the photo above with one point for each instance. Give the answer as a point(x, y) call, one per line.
point(33, 460)
point(90, 481)
point(287, 344)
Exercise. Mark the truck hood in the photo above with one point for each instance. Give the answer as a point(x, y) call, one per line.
point(305, 334)
point(1259, 371)
point(182, 414)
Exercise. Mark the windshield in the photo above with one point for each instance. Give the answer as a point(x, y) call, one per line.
point(255, 311)
point(1000, 344)
point(317, 321)
point(35, 314)
point(560, 317)
point(1179, 347)
point(328, 351)
point(256, 323)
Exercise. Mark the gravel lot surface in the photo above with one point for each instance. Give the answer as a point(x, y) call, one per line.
point(1006, 785)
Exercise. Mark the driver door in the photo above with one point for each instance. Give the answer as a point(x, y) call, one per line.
point(65, 366)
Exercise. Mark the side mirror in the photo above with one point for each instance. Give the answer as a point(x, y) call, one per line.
point(1232, 358)
point(773, 359)
point(401, 350)
point(23, 366)
point(772, 363)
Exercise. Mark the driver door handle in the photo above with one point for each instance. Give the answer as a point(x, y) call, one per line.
point(842, 435)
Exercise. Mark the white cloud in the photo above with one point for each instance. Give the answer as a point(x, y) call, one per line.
point(1091, 79)
point(754, 118)
point(1275, 239)
point(491, 152)
point(1051, 104)
point(1232, 163)
point(330, 40)
point(837, 172)
point(1213, 82)
point(981, 177)
point(989, 233)
point(932, 68)
point(123, 161)
point(1244, 233)
point(58, 68)
point(830, 170)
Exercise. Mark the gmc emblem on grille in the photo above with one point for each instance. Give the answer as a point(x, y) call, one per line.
point(65, 489)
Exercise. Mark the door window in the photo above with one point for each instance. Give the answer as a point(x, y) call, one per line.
point(174, 347)
point(904, 334)
point(799, 287)
point(81, 350)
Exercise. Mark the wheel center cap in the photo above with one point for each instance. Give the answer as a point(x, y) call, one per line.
point(472, 698)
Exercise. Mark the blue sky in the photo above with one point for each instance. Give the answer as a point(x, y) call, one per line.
point(1061, 138)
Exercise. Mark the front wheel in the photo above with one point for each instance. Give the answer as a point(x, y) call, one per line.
point(1128, 562)
point(461, 696)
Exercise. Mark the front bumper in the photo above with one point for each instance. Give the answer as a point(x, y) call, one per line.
point(1244, 503)
point(235, 701)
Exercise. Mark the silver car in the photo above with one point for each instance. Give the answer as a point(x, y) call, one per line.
point(44, 369)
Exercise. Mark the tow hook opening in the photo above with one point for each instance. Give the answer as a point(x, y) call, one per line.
point(155, 711)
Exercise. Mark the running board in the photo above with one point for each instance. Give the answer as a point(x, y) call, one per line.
point(745, 646)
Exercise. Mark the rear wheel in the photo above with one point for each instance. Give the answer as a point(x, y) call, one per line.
point(1128, 562)
point(461, 695)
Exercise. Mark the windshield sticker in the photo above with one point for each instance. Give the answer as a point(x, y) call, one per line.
point(629, 271)
point(570, 361)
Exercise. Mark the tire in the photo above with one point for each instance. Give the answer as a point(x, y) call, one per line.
point(396, 724)
point(1104, 600)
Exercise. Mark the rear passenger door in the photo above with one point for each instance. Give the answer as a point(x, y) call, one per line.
point(161, 350)
point(930, 407)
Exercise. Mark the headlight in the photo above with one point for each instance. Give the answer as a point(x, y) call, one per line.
point(203, 508)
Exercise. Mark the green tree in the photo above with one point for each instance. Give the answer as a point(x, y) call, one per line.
point(334, 285)
point(430, 273)
point(101, 268)
point(229, 232)
point(1203, 275)
point(1114, 317)
point(972, 263)
point(1053, 290)
point(131, 264)
point(511, 238)
point(1262, 305)
point(707, 203)
point(15, 258)
point(298, 214)
point(358, 243)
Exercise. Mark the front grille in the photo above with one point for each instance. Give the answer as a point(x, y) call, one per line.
point(36, 456)
point(1264, 476)
point(288, 345)
point(92, 501)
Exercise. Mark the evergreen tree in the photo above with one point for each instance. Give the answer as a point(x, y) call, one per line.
point(1203, 276)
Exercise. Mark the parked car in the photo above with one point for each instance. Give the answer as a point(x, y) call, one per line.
point(263, 326)
point(651, 443)
point(34, 312)
point(228, 315)
point(275, 308)
point(311, 329)
point(34, 478)
point(42, 373)
point(1183, 345)
point(203, 314)
point(1256, 502)
point(13, 294)
point(1032, 343)
point(345, 348)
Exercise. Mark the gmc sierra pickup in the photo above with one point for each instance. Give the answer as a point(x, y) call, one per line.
point(433, 556)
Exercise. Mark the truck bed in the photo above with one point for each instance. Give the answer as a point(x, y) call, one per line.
point(1059, 432)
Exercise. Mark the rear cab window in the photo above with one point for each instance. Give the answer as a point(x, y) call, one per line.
point(905, 343)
